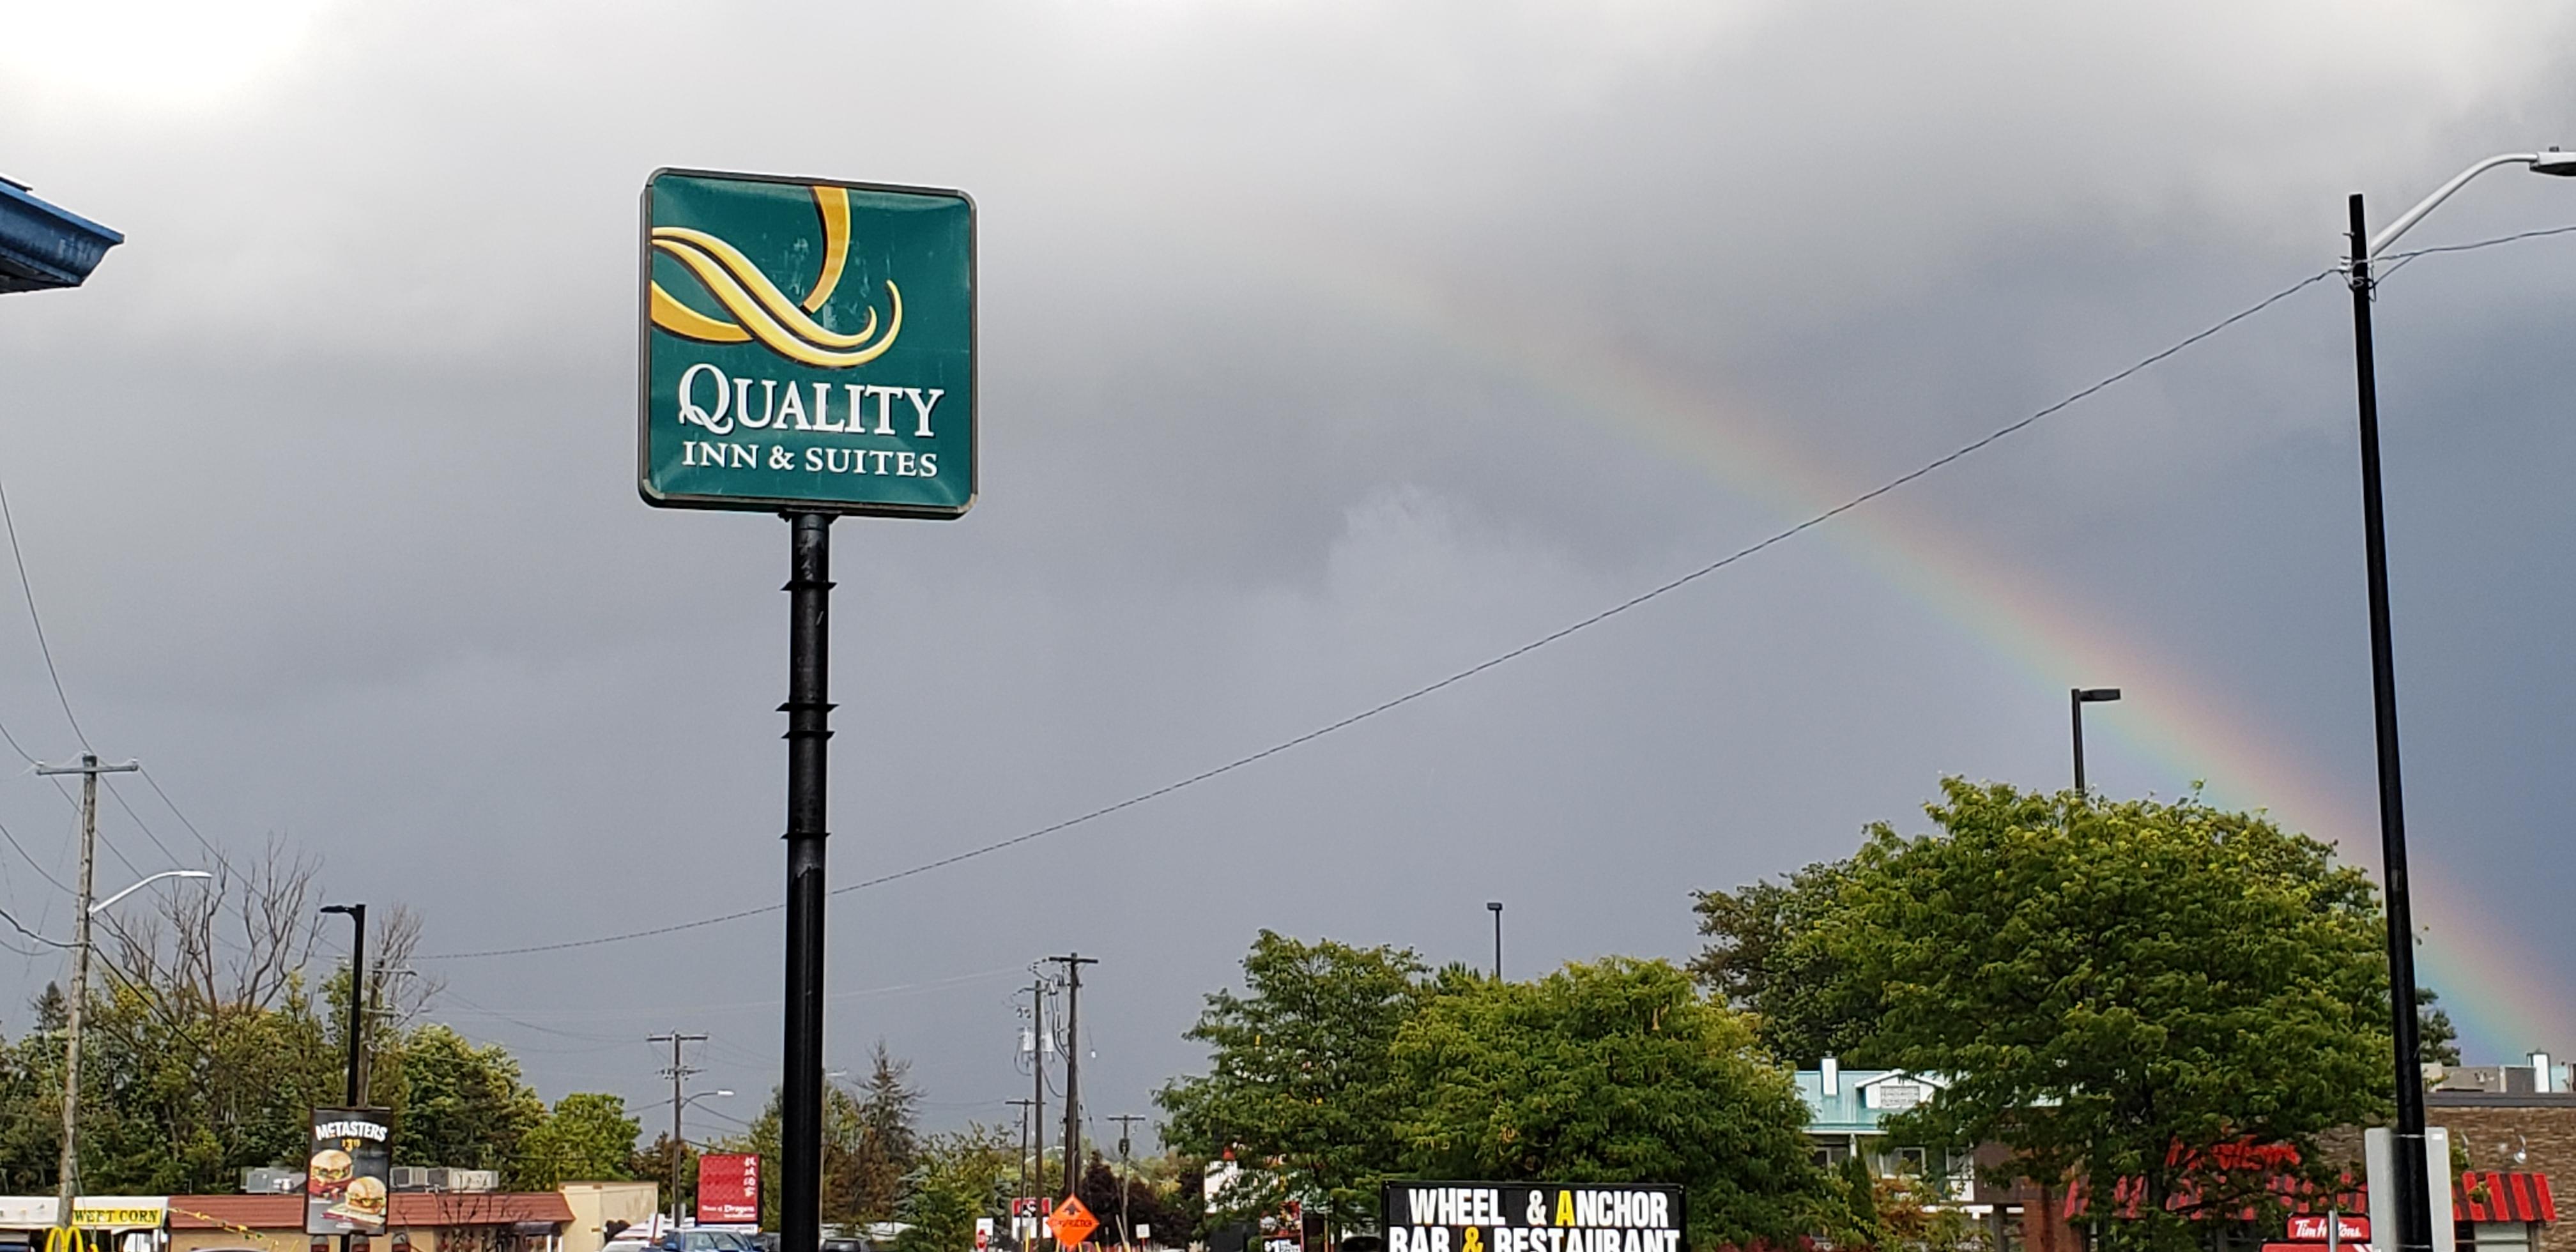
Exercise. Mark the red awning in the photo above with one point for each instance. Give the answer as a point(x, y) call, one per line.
point(2493, 1196)
point(2481, 1196)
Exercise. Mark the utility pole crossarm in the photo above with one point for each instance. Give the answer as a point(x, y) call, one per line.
point(90, 764)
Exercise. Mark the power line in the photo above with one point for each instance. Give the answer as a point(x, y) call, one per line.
point(173, 806)
point(28, 589)
point(2399, 260)
point(1286, 745)
point(41, 872)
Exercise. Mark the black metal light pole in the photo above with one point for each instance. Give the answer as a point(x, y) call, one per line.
point(2411, 1187)
point(1496, 907)
point(357, 914)
point(2077, 698)
point(2413, 1202)
point(809, 716)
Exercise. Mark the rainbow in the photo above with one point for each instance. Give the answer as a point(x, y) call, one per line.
point(2496, 991)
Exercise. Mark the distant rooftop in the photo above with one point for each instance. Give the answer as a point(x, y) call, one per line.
point(44, 246)
point(1853, 1101)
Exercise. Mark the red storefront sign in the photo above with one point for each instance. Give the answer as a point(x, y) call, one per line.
point(728, 1189)
point(2311, 1228)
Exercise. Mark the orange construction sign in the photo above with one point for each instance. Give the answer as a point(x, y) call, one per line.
point(1071, 1223)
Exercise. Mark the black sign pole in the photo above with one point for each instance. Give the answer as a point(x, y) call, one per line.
point(809, 715)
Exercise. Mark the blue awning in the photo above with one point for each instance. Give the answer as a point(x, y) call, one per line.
point(43, 246)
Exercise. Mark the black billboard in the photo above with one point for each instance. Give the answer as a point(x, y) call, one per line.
point(346, 1172)
point(1532, 1217)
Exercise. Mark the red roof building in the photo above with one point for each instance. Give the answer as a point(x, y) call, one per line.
point(494, 1221)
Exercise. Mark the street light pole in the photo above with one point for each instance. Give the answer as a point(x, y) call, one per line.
point(2412, 1199)
point(357, 914)
point(2077, 698)
point(1496, 908)
point(2410, 1186)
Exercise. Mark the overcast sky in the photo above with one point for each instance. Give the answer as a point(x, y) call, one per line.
point(1327, 349)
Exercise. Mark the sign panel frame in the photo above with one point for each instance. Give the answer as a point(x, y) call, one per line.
point(646, 331)
point(1500, 1216)
point(120, 1212)
point(348, 1172)
point(2352, 1228)
point(739, 1172)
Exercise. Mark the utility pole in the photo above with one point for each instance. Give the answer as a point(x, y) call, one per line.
point(1023, 1106)
point(1126, 1176)
point(68, 1177)
point(1037, 1085)
point(1073, 964)
point(677, 1071)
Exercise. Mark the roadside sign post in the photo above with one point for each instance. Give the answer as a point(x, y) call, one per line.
point(808, 349)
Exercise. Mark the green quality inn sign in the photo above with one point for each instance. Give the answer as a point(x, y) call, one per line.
point(808, 346)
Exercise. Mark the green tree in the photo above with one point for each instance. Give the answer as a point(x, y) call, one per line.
point(1803, 1011)
point(652, 1163)
point(842, 1141)
point(957, 1178)
point(886, 1145)
point(2130, 990)
point(2436, 1037)
point(457, 1103)
point(1614, 1071)
point(587, 1138)
point(1111, 1192)
point(1300, 1074)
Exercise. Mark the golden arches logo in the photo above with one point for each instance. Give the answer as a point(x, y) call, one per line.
point(759, 309)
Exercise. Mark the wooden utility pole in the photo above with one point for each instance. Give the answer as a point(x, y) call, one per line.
point(677, 1071)
point(1073, 964)
point(1126, 1176)
point(67, 1179)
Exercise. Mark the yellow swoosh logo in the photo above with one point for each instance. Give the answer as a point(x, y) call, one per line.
point(758, 309)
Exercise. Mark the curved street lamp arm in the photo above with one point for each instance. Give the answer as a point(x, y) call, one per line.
point(2389, 234)
point(167, 873)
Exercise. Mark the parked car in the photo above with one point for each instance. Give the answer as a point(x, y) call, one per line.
point(846, 1245)
point(704, 1241)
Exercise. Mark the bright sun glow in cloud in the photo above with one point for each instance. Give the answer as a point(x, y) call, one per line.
point(148, 54)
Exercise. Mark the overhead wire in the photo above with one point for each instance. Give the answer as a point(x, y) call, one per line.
point(35, 618)
point(27, 589)
point(23, 855)
point(1970, 448)
point(2399, 260)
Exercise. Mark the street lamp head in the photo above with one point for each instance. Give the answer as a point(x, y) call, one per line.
point(1495, 905)
point(350, 909)
point(2096, 695)
point(2553, 161)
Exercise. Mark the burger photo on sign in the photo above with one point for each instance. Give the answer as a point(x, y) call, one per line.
point(363, 1205)
point(328, 1173)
